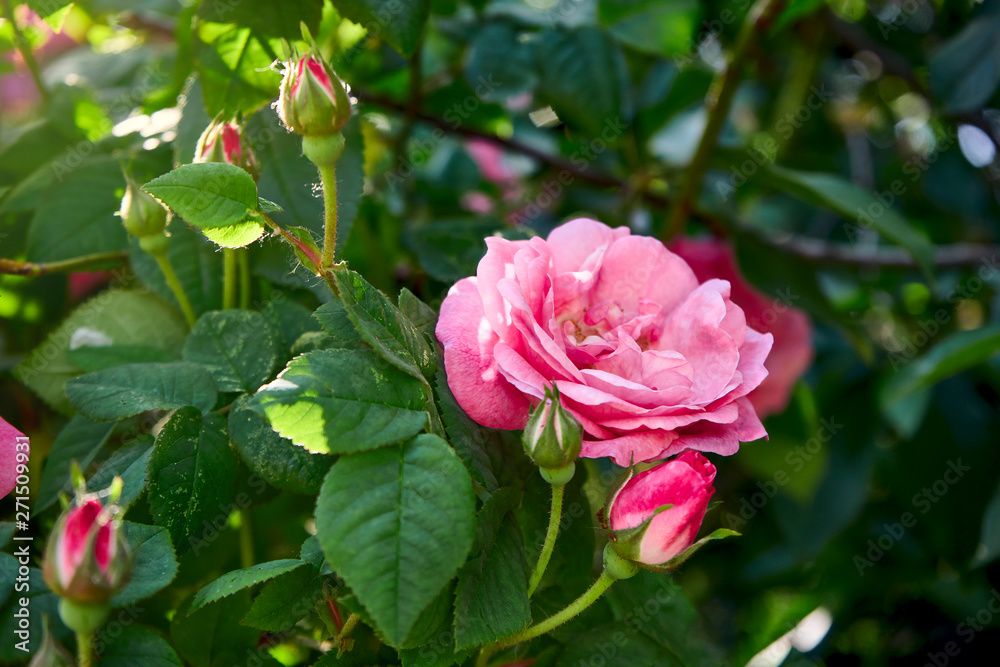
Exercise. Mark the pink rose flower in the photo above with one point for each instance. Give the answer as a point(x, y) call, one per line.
point(684, 482)
point(647, 359)
point(792, 353)
point(9, 456)
point(85, 558)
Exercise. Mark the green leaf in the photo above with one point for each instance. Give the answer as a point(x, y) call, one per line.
point(399, 23)
point(124, 391)
point(128, 462)
point(989, 536)
point(197, 263)
point(285, 601)
point(93, 358)
point(854, 203)
point(136, 646)
point(491, 601)
point(451, 249)
point(7, 530)
point(335, 321)
point(234, 67)
point(114, 317)
point(76, 213)
point(382, 326)
point(500, 65)
point(420, 315)
point(80, 440)
point(154, 564)
point(653, 26)
point(207, 195)
point(339, 401)
point(235, 236)
point(582, 79)
point(288, 321)
point(265, 17)
point(235, 346)
point(278, 461)
point(235, 581)
point(192, 474)
point(213, 636)
point(396, 524)
point(956, 353)
point(964, 72)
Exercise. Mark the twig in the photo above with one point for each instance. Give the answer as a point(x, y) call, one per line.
point(104, 260)
point(717, 107)
point(25, 49)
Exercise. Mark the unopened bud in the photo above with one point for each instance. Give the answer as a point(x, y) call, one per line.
point(141, 214)
point(553, 437)
point(223, 141)
point(313, 100)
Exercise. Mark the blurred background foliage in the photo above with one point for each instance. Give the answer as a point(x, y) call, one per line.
point(854, 167)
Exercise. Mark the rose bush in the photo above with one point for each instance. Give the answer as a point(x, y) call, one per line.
point(650, 361)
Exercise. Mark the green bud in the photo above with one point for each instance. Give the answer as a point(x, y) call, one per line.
point(142, 215)
point(312, 100)
point(552, 437)
point(51, 653)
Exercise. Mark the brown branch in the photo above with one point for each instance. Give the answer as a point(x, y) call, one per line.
point(104, 260)
point(555, 162)
point(811, 250)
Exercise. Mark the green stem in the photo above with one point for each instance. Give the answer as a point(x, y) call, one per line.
point(243, 255)
point(574, 608)
point(228, 278)
point(328, 179)
point(717, 105)
point(84, 646)
point(346, 631)
point(25, 49)
point(558, 492)
point(246, 540)
point(32, 269)
point(175, 286)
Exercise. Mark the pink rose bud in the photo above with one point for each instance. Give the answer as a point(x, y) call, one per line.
point(313, 100)
point(86, 558)
point(142, 215)
point(553, 437)
point(14, 452)
point(645, 532)
point(224, 142)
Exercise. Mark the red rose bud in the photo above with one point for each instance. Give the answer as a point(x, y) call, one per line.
point(552, 437)
point(656, 514)
point(224, 142)
point(86, 558)
point(313, 100)
point(142, 215)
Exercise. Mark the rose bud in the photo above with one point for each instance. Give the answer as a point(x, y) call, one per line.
point(86, 558)
point(224, 142)
point(552, 438)
point(313, 100)
point(142, 215)
point(51, 653)
point(655, 515)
